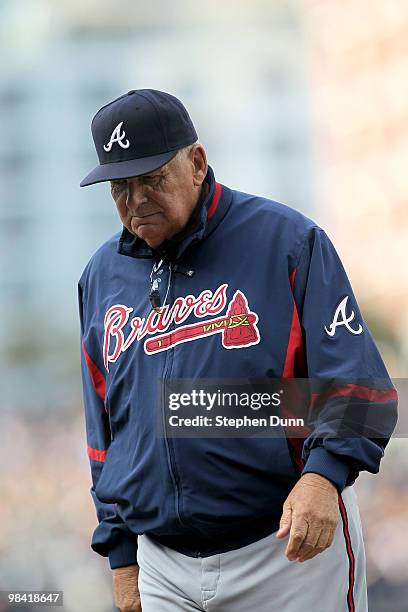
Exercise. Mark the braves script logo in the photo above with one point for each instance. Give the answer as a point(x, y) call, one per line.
point(341, 318)
point(237, 327)
point(117, 137)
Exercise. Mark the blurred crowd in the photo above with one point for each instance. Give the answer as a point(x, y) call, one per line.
point(47, 514)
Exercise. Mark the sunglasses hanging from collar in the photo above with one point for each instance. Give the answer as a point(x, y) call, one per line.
point(155, 282)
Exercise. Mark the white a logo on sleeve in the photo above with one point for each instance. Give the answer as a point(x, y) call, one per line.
point(117, 137)
point(341, 318)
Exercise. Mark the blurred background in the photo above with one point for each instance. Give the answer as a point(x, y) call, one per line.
point(304, 102)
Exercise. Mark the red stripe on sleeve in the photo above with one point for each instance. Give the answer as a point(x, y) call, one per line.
point(372, 395)
point(98, 380)
point(295, 359)
point(97, 455)
point(292, 278)
point(214, 203)
point(294, 366)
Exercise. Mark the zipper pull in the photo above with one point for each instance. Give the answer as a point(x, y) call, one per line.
point(183, 270)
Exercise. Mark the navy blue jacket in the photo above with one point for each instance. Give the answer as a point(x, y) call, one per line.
point(204, 496)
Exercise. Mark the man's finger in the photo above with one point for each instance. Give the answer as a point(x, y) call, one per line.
point(285, 522)
point(298, 533)
point(308, 548)
point(325, 540)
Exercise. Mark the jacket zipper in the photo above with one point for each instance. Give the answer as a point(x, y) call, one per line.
point(166, 372)
point(167, 369)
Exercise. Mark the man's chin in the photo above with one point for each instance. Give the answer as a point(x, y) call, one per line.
point(151, 236)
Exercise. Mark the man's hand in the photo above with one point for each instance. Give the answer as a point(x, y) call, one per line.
point(310, 515)
point(125, 588)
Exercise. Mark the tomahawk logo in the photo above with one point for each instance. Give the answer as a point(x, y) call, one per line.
point(238, 327)
point(117, 137)
point(340, 318)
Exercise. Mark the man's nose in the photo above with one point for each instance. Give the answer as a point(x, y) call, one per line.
point(136, 195)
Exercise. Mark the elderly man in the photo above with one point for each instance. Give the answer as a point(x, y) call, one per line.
point(205, 282)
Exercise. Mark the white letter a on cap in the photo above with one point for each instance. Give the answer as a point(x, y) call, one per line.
point(117, 137)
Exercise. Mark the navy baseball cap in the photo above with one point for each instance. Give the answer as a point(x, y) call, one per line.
point(137, 133)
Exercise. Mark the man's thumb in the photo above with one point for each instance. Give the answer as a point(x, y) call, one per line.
point(285, 522)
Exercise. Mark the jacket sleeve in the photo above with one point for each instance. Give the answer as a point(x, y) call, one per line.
point(353, 408)
point(111, 537)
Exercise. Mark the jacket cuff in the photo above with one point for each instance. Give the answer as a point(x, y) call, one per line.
point(327, 464)
point(123, 554)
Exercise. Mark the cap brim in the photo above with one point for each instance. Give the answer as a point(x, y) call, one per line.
point(127, 169)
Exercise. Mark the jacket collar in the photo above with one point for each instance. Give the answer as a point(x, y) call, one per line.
point(213, 209)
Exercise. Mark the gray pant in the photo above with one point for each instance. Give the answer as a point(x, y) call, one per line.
point(259, 576)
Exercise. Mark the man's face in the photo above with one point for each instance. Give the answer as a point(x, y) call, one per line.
point(157, 205)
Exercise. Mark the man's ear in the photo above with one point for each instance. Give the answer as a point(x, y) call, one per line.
point(199, 159)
